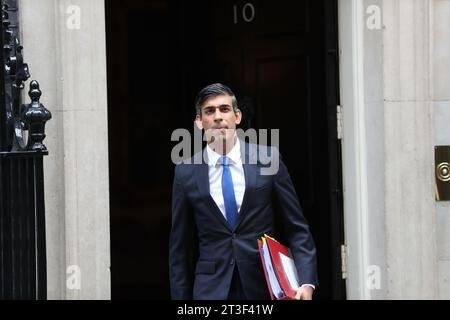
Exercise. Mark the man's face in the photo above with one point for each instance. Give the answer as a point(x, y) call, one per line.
point(218, 118)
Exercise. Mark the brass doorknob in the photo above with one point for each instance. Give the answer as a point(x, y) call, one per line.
point(443, 171)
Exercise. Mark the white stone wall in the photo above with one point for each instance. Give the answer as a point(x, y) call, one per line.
point(374, 129)
point(409, 144)
point(396, 109)
point(441, 108)
point(64, 45)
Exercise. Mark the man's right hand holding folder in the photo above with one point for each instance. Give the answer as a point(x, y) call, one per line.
point(281, 273)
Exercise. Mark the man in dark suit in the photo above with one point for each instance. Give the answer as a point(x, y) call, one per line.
point(222, 202)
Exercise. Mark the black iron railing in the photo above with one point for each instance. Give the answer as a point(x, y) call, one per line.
point(22, 212)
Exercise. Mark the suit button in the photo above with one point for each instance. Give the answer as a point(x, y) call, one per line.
point(234, 235)
point(232, 262)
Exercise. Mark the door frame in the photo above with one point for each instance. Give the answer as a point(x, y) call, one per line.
point(354, 146)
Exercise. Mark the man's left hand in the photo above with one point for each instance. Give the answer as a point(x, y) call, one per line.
point(304, 293)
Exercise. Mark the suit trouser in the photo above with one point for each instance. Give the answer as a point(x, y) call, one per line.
point(236, 290)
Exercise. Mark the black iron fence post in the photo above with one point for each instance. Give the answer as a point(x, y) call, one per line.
point(22, 131)
point(3, 110)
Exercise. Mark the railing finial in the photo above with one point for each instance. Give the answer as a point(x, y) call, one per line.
point(35, 116)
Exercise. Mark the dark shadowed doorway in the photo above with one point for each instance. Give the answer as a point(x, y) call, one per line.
point(281, 60)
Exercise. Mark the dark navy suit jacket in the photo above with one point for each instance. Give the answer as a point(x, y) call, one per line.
point(204, 250)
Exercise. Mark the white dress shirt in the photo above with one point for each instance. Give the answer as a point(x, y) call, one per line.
point(215, 175)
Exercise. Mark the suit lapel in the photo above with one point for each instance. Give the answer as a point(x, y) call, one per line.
point(250, 173)
point(250, 181)
point(202, 177)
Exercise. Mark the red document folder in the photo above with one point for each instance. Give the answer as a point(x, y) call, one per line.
point(260, 246)
point(275, 248)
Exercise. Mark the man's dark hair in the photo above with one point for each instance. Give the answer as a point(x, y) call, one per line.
point(213, 90)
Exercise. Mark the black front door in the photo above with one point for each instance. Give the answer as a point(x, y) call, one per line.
point(278, 57)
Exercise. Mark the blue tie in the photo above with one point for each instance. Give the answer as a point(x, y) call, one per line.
point(228, 194)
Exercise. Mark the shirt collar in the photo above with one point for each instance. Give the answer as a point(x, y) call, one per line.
point(234, 155)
